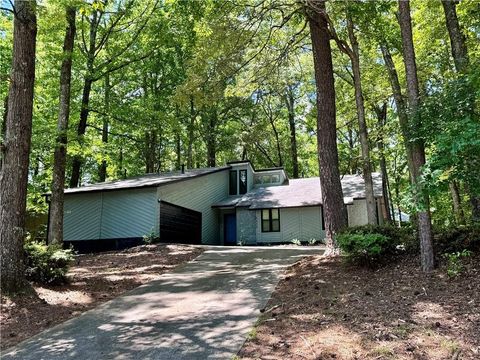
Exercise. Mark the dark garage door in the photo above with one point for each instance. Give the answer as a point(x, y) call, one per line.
point(179, 224)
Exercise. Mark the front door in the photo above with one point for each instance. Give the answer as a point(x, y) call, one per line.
point(230, 233)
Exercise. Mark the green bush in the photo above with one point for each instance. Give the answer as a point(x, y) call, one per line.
point(400, 238)
point(452, 240)
point(364, 249)
point(47, 264)
point(454, 262)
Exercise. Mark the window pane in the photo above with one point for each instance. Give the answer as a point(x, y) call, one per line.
point(275, 225)
point(265, 226)
point(275, 178)
point(265, 215)
point(233, 182)
point(243, 181)
point(274, 213)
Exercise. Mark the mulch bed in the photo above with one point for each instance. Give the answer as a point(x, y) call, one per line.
point(93, 279)
point(326, 309)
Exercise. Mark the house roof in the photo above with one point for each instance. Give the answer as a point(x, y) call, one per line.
point(300, 192)
point(149, 180)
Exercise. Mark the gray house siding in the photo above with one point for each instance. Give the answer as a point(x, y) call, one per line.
point(246, 227)
point(295, 223)
point(199, 194)
point(110, 215)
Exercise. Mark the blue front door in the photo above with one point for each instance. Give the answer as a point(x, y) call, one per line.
point(230, 223)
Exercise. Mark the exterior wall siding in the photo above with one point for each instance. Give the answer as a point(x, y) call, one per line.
point(199, 194)
point(357, 212)
point(111, 214)
point(246, 227)
point(295, 223)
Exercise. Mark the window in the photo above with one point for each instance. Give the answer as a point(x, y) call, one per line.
point(242, 174)
point(233, 182)
point(270, 220)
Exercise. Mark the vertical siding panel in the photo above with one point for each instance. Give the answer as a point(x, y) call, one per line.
point(82, 214)
point(129, 213)
point(199, 194)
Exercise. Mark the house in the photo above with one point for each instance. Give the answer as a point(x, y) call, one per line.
point(228, 205)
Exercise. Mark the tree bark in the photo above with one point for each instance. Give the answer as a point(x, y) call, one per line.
point(16, 149)
point(290, 102)
point(4, 129)
point(362, 126)
point(102, 171)
point(331, 188)
point(457, 203)
point(87, 88)
point(399, 103)
point(382, 120)
point(210, 137)
point(191, 128)
point(418, 150)
point(457, 39)
point(55, 228)
point(462, 63)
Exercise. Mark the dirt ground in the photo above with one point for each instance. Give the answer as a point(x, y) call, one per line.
point(94, 279)
point(326, 309)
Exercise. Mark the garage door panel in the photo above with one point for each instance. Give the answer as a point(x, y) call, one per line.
point(179, 224)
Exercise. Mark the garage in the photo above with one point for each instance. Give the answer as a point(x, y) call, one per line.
point(179, 224)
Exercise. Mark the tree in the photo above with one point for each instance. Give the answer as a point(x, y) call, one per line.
point(55, 228)
point(354, 55)
point(462, 62)
point(16, 147)
point(418, 149)
point(332, 196)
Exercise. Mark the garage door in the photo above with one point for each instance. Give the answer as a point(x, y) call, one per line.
point(179, 224)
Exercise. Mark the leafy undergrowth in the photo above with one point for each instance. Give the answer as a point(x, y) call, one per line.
point(326, 309)
point(93, 279)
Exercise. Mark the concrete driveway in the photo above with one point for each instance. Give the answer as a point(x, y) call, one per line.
point(202, 310)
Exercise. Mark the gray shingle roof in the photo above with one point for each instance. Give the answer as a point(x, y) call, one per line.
point(300, 192)
point(145, 180)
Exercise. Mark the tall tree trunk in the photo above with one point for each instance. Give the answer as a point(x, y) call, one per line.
point(362, 126)
point(277, 142)
point(399, 103)
point(418, 150)
point(102, 171)
point(331, 188)
point(16, 148)
point(210, 137)
point(290, 102)
point(178, 151)
point(191, 128)
point(457, 39)
point(462, 63)
point(87, 88)
point(457, 203)
point(382, 120)
point(55, 228)
point(150, 153)
point(4, 129)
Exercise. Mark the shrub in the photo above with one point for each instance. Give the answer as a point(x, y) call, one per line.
point(364, 249)
point(452, 240)
point(47, 264)
point(150, 238)
point(454, 262)
point(400, 238)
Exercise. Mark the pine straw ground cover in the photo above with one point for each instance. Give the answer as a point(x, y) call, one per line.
point(93, 279)
point(326, 309)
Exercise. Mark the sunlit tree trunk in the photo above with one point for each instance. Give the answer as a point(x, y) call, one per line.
point(16, 147)
point(331, 188)
point(55, 228)
point(362, 125)
point(418, 150)
point(462, 62)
